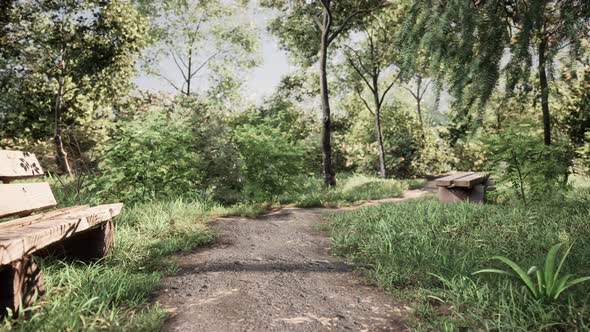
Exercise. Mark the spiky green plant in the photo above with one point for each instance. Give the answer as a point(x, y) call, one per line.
point(549, 282)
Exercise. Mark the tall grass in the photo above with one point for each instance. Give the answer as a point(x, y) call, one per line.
point(112, 294)
point(310, 191)
point(427, 251)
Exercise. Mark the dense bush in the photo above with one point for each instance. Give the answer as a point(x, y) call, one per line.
point(268, 157)
point(177, 151)
point(523, 166)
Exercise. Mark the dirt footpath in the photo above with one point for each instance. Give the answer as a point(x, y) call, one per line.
point(275, 273)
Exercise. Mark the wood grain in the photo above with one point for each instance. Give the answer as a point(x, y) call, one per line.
point(470, 180)
point(24, 198)
point(30, 238)
point(18, 223)
point(18, 165)
point(448, 180)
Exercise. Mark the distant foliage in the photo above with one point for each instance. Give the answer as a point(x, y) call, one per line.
point(584, 153)
point(409, 151)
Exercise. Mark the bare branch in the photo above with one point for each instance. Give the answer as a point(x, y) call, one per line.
point(425, 88)
point(178, 65)
point(203, 65)
point(172, 83)
point(389, 87)
point(365, 102)
point(361, 74)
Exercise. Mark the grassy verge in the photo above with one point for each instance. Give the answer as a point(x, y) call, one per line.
point(426, 252)
point(310, 191)
point(112, 294)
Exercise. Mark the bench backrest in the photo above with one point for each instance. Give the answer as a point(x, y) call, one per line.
point(23, 198)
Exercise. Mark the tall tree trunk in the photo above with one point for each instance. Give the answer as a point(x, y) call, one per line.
point(544, 91)
point(328, 172)
point(377, 101)
point(61, 155)
point(190, 71)
point(419, 101)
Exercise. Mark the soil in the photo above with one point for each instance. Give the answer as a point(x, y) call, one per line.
point(276, 273)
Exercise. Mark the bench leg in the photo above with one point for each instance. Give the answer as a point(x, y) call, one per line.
point(92, 244)
point(88, 245)
point(478, 194)
point(20, 283)
point(453, 195)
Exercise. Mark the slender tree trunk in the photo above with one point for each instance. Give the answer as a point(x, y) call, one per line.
point(61, 155)
point(419, 102)
point(328, 172)
point(190, 70)
point(382, 170)
point(544, 91)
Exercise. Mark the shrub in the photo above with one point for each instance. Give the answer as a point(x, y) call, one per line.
point(268, 158)
point(524, 166)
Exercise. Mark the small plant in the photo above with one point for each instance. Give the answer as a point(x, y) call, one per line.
point(549, 283)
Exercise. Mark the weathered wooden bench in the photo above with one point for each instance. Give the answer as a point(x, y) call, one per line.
point(79, 232)
point(464, 186)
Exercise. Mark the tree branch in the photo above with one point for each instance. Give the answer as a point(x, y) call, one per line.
point(360, 74)
point(366, 103)
point(389, 87)
point(202, 65)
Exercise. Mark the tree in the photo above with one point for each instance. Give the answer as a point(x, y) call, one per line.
point(71, 52)
point(198, 35)
point(372, 61)
point(418, 90)
point(468, 40)
point(308, 29)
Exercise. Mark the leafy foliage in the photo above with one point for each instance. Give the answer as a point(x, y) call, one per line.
point(267, 157)
point(169, 152)
point(549, 284)
point(529, 169)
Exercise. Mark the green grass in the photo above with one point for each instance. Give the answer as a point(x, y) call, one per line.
point(113, 294)
point(310, 192)
point(426, 252)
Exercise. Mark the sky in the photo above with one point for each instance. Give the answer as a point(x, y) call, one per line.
point(259, 82)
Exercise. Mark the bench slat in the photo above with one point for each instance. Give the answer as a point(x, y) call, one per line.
point(18, 165)
point(470, 180)
point(21, 222)
point(42, 233)
point(24, 198)
point(448, 180)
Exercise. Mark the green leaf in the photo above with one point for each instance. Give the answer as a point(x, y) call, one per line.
point(520, 272)
point(493, 271)
point(549, 266)
point(570, 284)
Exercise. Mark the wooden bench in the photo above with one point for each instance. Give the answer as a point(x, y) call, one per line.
point(80, 232)
point(464, 186)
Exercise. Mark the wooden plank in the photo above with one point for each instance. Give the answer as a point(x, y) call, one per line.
point(24, 198)
point(40, 234)
point(448, 180)
point(21, 222)
point(470, 180)
point(20, 282)
point(18, 165)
